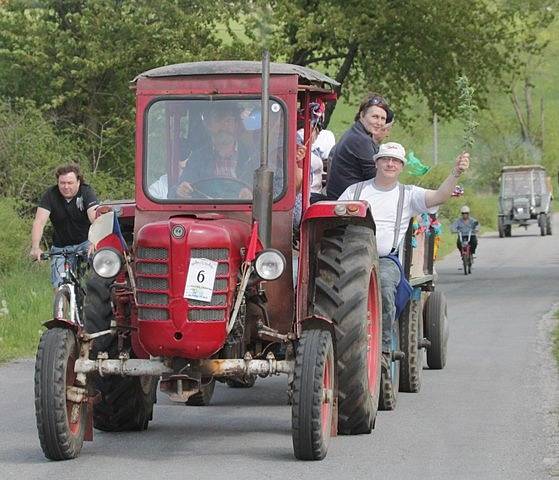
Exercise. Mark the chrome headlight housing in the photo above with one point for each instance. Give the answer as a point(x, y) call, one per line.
point(269, 264)
point(107, 262)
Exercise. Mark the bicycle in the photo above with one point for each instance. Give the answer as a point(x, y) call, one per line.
point(70, 294)
point(63, 398)
point(466, 251)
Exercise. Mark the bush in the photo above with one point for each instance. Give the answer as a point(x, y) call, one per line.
point(14, 235)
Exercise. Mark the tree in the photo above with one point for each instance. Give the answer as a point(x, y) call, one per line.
point(75, 59)
point(398, 47)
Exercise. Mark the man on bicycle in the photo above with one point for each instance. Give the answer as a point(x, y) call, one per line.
point(464, 226)
point(70, 205)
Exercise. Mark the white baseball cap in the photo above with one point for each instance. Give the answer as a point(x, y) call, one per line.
point(392, 150)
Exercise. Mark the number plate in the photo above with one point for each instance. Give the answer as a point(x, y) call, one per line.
point(200, 279)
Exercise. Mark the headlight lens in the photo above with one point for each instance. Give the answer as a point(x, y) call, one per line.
point(107, 262)
point(270, 264)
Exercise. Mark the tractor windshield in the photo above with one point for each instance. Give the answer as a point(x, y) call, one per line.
point(523, 183)
point(200, 149)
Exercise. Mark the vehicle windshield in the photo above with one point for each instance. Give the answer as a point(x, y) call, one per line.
point(522, 183)
point(201, 150)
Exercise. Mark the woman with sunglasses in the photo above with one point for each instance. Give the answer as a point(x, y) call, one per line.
point(352, 158)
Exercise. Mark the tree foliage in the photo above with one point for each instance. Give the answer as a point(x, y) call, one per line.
point(401, 48)
point(75, 59)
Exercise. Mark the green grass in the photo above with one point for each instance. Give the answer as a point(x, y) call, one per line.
point(27, 294)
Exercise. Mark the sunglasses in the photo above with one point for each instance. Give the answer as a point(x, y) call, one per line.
point(376, 101)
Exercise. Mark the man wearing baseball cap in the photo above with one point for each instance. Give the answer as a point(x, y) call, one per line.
point(352, 157)
point(385, 195)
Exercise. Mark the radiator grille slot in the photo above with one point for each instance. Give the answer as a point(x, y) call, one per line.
point(206, 315)
point(210, 253)
point(153, 314)
point(152, 253)
point(148, 283)
point(152, 268)
point(152, 298)
point(217, 300)
point(220, 284)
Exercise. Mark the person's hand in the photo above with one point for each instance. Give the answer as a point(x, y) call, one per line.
point(35, 253)
point(462, 164)
point(184, 190)
point(301, 150)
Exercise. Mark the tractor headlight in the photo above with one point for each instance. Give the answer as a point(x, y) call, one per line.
point(107, 262)
point(270, 264)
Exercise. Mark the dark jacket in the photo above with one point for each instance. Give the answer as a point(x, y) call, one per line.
point(352, 160)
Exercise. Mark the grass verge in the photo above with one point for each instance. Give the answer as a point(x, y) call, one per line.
point(26, 302)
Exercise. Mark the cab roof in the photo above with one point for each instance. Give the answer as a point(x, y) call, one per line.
point(235, 67)
point(522, 168)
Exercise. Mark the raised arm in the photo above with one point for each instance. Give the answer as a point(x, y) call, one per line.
point(444, 192)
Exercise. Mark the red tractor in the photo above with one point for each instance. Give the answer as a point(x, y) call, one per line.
point(199, 279)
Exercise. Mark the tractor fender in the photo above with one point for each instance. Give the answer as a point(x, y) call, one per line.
point(316, 219)
point(58, 323)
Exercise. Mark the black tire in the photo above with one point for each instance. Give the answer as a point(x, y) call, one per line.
point(465, 264)
point(313, 395)
point(60, 422)
point(126, 402)
point(411, 366)
point(542, 221)
point(508, 230)
point(347, 291)
point(204, 396)
point(437, 330)
point(501, 227)
point(548, 229)
point(61, 304)
point(246, 382)
point(389, 384)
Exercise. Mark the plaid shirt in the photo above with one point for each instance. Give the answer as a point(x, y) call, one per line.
point(227, 166)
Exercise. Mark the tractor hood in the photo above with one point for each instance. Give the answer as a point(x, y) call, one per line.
point(186, 272)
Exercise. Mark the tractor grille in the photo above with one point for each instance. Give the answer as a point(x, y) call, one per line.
point(153, 283)
point(217, 308)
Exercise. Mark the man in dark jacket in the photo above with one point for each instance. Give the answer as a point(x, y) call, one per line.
point(352, 160)
point(70, 205)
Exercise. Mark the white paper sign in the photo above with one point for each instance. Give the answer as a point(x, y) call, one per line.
point(200, 279)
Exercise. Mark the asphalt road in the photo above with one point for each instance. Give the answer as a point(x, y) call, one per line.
point(492, 413)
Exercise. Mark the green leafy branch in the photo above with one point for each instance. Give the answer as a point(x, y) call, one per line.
point(467, 110)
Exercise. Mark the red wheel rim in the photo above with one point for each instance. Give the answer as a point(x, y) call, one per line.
point(327, 394)
point(373, 332)
point(73, 410)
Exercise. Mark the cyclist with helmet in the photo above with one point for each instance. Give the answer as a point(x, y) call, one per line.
point(464, 225)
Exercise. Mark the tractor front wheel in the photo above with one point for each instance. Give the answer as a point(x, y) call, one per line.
point(61, 422)
point(313, 395)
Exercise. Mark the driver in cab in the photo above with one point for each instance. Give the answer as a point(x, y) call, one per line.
point(222, 166)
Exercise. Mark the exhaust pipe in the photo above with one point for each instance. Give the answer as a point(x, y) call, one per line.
point(264, 175)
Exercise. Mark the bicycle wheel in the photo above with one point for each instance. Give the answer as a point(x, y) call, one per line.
point(62, 306)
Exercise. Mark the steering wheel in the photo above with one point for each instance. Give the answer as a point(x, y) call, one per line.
point(226, 188)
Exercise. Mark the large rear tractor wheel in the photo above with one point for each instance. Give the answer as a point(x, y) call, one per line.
point(501, 226)
point(204, 396)
point(347, 291)
point(126, 402)
point(314, 390)
point(542, 222)
point(437, 330)
point(61, 422)
point(411, 332)
point(389, 384)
